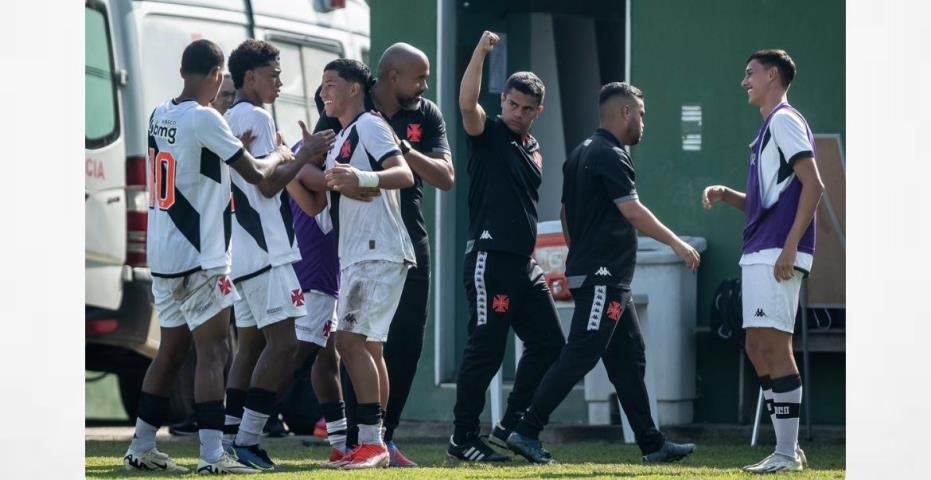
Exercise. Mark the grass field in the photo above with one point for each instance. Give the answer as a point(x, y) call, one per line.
point(577, 460)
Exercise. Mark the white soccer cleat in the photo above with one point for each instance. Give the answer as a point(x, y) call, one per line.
point(153, 460)
point(776, 462)
point(798, 451)
point(801, 456)
point(226, 464)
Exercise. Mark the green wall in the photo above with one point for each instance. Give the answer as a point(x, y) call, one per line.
point(685, 52)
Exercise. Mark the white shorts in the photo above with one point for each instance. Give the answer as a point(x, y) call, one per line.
point(270, 297)
point(369, 294)
point(315, 327)
point(192, 299)
point(766, 302)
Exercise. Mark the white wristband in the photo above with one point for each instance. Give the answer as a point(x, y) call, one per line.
point(367, 179)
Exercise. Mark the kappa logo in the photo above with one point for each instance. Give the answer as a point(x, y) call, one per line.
point(753, 159)
point(501, 303)
point(297, 297)
point(614, 311)
point(225, 285)
point(485, 235)
point(414, 132)
point(603, 271)
point(759, 313)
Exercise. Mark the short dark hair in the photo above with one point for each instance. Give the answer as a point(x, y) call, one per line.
point(527, 83)
point(618, 89)
point(200, 57)
point(352, 71)
point(250, 55)
point(774, 57)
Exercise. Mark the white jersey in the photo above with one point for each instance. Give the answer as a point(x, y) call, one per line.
point(189, 189)
point(368, 230)
point(263, 233)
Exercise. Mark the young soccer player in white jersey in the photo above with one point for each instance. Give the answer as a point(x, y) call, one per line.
point(782, 195)
point(188, 245)
point(375, 250)
point(264, 247)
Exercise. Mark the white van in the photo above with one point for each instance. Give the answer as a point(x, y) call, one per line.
point(132, 60)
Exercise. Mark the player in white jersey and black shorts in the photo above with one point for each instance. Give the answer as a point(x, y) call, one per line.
point(188, 241)
point(375, 250)
point(782, 195)
point(264, 247)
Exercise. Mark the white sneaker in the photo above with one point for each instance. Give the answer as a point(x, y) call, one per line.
point(226, 464)
point(151, 460)
point(776, 463)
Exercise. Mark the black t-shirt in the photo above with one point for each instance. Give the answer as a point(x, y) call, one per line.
point(425, 129)
point(506, 170)
point(597, 177)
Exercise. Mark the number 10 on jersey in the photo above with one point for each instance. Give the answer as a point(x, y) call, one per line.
point(161, 179)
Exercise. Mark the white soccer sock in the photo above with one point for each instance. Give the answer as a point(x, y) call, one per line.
point(229, 438)
point(211, 448)
point(336, 434)
point(787, 400)
point(143, 437)
point(370, 434)
point(251, 427)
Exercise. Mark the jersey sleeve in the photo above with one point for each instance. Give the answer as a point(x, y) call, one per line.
point(264, 136)
point(214, 134)
point(616, 173)
point(377, 138)
point(791, 136)
point(434, 138)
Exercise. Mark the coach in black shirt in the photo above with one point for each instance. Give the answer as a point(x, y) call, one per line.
point(504, 286)
point(601, 215)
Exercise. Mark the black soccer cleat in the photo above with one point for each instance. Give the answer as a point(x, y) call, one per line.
point(529, 448)
point(474, 450)
point(670, 452)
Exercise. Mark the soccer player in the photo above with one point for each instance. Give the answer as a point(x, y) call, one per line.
point(188, 235)
point(264, 247)
point(318, 272)
point(375, 249)
point(782, 194)
point(403, 71)
point(601, 215)
point(504, 285)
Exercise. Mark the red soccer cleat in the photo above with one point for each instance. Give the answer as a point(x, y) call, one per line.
point(368, 456)
point(397, 459)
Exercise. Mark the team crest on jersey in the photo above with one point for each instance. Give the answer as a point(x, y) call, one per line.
point(501, 303)
point(614, 311)
point(297, 297)
point(225, 285)
point(348, 146)
point(414, 132)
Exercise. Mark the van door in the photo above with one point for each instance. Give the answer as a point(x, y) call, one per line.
point(104, 165)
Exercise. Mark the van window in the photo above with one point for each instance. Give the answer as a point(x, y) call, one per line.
point(301, 73)
point(101, 117)
point(164, 38)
